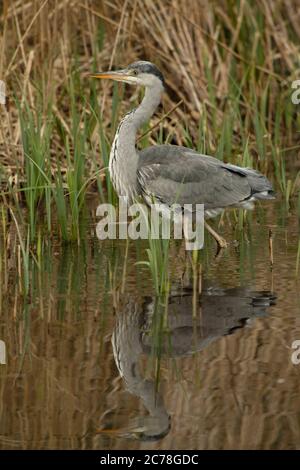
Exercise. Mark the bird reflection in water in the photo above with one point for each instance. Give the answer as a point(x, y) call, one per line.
point(145, 330)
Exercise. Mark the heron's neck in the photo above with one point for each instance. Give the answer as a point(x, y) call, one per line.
point(124, 155)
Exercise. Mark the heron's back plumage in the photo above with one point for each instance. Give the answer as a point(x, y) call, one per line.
point(173, 174)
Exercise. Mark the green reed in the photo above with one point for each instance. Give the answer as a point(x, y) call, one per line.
point(36, 138)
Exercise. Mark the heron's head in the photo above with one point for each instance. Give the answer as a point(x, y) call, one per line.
point(139, 73)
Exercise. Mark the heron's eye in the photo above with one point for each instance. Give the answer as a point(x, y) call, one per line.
point(134, 72)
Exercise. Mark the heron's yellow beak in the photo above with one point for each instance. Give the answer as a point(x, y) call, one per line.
point(119, 76)
point(113, 75)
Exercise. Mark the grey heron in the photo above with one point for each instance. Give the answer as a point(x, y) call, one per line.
point(170, 174)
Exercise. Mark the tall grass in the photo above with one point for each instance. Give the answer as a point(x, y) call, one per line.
point(56, 135)
point(36, 135)
point(54, 187)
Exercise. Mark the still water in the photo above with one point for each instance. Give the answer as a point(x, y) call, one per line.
point(95, 361)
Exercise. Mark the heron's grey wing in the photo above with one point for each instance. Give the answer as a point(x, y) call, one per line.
point(173, 174)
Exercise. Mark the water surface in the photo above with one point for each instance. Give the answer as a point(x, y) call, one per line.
point(94, 362)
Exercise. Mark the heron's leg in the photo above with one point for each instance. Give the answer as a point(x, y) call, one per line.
point(222, 243)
